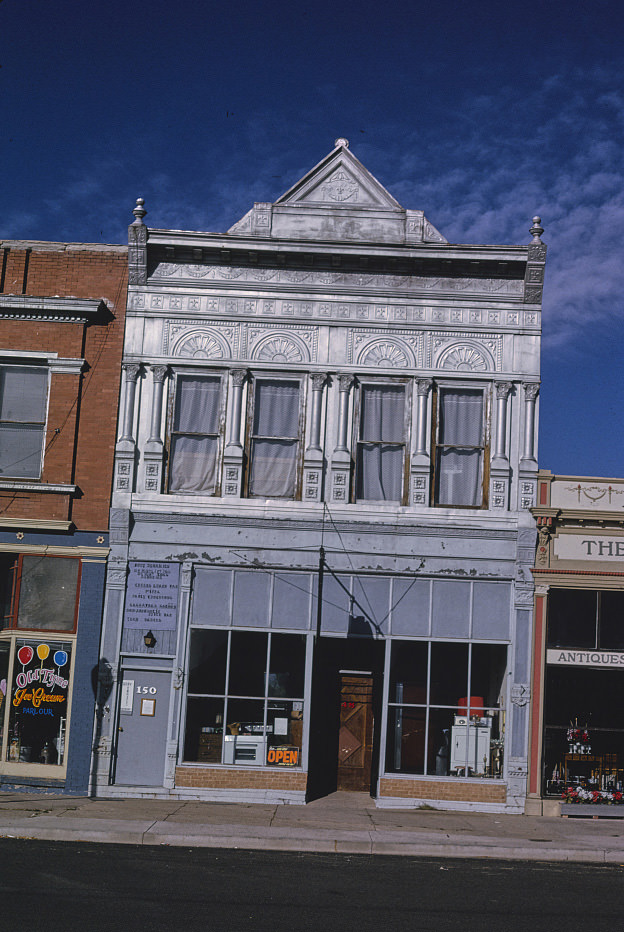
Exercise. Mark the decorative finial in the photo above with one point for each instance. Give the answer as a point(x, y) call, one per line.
point(341, 141)
point(139, 211)
point(536, 230)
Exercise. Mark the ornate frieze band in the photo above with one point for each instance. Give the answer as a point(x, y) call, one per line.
point(331, 310)
point(257, 275)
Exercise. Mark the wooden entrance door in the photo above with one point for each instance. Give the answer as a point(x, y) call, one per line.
point(355, 738)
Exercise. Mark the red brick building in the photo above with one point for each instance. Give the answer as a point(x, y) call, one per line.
point(61, 333)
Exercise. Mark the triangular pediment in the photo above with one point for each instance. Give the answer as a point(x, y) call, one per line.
point(340, 180)
point(337, 201)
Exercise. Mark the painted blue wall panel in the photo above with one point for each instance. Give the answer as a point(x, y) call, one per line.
point(83, 699)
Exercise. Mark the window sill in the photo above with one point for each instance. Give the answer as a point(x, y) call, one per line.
point(27, 485)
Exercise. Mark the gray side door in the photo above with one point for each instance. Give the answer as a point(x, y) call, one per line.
point(142, 728)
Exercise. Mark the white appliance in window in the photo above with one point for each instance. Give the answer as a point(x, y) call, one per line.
point(470, 745)
point(244, 749)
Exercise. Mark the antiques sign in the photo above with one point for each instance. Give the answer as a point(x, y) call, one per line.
point(152, 597)
point(578, 547)
point(585, 658)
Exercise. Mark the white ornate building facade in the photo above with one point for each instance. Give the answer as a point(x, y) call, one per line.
point(321, 535)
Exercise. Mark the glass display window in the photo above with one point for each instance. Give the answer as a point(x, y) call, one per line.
point(583, 732)
point(446, 714)
point(35, 690)
point(245, 702)
point(39, 594)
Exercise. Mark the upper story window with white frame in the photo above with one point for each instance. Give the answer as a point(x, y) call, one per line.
point(23, 412)
point(461, 451)
point(196, 435)
point(274, 432)
point(381, 441)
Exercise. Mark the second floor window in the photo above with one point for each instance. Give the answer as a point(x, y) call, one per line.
point(23, 404)
point(196, 434)
point(274, 439)
point(380, 456)
point(460, 448)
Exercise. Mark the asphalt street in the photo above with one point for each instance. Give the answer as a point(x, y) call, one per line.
point(113, 888)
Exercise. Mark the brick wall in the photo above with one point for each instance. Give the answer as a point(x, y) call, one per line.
point(82, 412)
point(234, 779)
point(457, 791)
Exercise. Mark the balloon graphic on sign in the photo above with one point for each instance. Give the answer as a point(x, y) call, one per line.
point(60, 658)
point(42, 651)
point(25, 655)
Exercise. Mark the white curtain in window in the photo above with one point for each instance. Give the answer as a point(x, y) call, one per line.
point(380, 472)
point(460, 470)
point(459, 477)
point(461, 418)
point(273, 468)
point(276, 410)
point(197, 405)
point(274, 461)
point(193, 464)
point(383, 413)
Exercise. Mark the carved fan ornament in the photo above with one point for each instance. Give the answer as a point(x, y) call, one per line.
point(201, 346)
point(385, 354)
point(463, 359)
point(279, 349)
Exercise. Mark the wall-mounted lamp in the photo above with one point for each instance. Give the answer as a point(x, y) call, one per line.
point(149, 640)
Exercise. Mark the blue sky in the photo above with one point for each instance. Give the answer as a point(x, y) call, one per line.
point(480, 114)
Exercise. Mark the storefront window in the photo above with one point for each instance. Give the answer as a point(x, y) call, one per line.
point(39, 592)
point(38, 698)
point(584, 693)
point(245, 698)
point(446, 709)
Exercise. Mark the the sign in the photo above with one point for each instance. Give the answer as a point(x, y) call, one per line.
point(148, 707)
point(585, 547)
point(38, 702)
point(585, 658)
point(127, 696)
point(152, 596)
point(284, 757)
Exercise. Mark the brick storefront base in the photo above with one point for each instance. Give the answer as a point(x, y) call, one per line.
point(432, 789)
point(219, 778)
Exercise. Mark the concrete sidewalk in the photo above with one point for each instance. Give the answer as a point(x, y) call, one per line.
point(343, 822)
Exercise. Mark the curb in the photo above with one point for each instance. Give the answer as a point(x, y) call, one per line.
point(318, 841)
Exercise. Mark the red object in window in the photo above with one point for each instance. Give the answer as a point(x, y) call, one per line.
point(476, 705)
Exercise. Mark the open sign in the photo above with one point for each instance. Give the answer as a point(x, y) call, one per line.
point(283, 756)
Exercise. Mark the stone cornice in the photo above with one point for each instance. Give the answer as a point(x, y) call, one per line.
point(191, 239)
point(25, 307)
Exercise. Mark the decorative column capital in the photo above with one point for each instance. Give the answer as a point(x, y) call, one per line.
point(531, 390)
point(318, 380)
point(423, 386)
point(503, 389)
point(132, 370)
point(238, 377)
point(159, 373)
point(345, 381)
